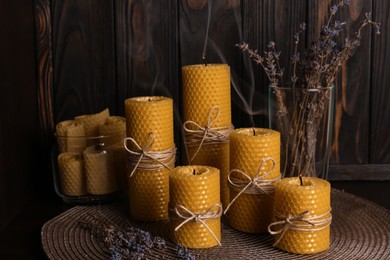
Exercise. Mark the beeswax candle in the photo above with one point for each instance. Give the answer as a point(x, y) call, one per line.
point(195, 192)
point(114, 131)
point(255, 152)
point(114, 127)
point(99, 173)
point(91, 122)
point(149, 188)
point(70, 136)
point(71, 174)
point(302, 215)
point(206, 87)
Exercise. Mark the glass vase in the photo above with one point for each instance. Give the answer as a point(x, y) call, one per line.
point(304, 117)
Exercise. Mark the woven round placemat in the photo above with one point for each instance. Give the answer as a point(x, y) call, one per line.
point(360, 230)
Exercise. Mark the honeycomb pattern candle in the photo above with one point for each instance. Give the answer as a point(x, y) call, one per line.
point(149, 124)
point(70, 136)
point(92, 121)
point(195, 208)
point(71, 173)
point(207, 103)
point(114, 130)
point(254, 163)
point(99, 173)
point(302, 215)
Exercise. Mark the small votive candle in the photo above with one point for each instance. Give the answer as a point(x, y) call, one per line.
point(195, 207)
point(302, 215)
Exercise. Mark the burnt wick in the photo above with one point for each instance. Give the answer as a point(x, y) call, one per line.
point(300, 179)
point(193, 172)
point(254, 132)
point(204, 61)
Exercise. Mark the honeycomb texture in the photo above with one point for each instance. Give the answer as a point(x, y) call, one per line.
point(203, 88)
point(253, 213)
point(71, 173)
point(114, 127)
point(70, 136)
point(197, 192)
point(291, 198)
point(150, 114)
point(149, 190)
point(92, 121)
point(99, 172)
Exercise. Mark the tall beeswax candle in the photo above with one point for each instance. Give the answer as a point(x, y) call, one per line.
point(149, 189)
point(71, 173)
point(206, 87)
point(195, 192)
point(302, 215)
point(254, 152)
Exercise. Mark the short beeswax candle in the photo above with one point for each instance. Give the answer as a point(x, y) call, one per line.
point(205, 88)
point(302, 215)
point(91, 122)
point(70, 136)
point(99, 172)
point(113, 131)
point(71, 173)
point(254, 163)
point(148, 188)
point(195, 192)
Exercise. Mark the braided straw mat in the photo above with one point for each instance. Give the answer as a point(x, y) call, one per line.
point(360, 230)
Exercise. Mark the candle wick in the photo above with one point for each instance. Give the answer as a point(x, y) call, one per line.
point(300, 179)
point(194, 173)
point(254, 132)
point(204, 61)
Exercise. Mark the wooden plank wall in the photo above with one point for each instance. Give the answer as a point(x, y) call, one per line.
point(106, 51)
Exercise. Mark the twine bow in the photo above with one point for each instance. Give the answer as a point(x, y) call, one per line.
point(215, 211)
point(205, 135)
point(143, 158)
point(255, 185)
point(299, 222)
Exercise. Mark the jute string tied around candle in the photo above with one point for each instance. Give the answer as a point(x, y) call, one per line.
point(206, 135)
point(144, 159)
point(299, 222)
point(182, 213)
point(255, 186)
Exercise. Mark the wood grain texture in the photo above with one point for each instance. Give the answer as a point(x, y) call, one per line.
point(146, 48)
point(361, 172)
point(43, 39)
point(83, 57)
point(351, 128)
point(380, 91)
point(265, 21)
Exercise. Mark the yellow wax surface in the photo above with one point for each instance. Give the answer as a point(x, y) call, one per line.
point(71, 173)
point(149, 189)
point(70, 136)
point(197, 189)
point(253, 213)
point(99, 172)
point(92, 121)
point(203, 88)
point(292, 198)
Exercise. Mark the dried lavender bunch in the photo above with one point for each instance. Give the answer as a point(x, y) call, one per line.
point(184, 253)
point(123, 243)
point(316, 68)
